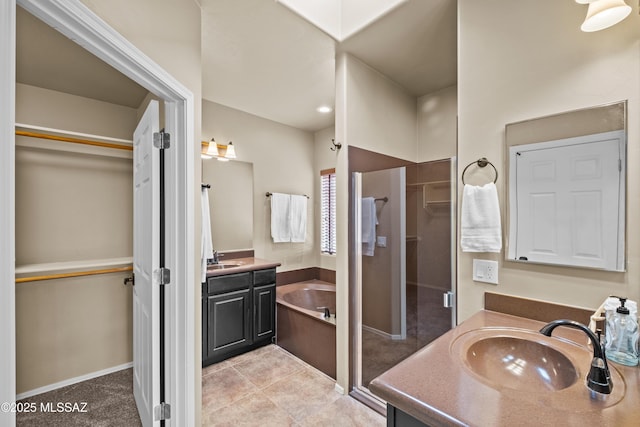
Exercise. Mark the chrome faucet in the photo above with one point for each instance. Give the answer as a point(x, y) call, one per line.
point(216, 257)
point(599, 378)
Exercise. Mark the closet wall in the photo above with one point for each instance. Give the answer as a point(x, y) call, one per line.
point(73, 205)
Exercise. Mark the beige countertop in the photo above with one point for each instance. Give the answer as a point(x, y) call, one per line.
point(434, 386)
point(246, 264)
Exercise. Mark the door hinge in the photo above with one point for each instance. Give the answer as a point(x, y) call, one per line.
point(162, 411)
point(447, 299)
point(163, 276)
point(161, 140)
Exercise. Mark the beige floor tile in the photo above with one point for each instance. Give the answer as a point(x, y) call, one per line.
point(269, 367)
point(223, 387)
point(303, 393)
point(208, 370)
point(253, 410)
point(345, 412)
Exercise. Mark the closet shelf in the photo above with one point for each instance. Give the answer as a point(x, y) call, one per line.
point(421, 184)
point(36, 136)
point(59, 270)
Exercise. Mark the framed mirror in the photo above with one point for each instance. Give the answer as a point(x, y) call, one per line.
point(566, 189)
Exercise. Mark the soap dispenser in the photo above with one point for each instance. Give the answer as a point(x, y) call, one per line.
point(622, 335)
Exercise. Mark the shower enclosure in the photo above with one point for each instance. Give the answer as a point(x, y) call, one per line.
point(403, 264)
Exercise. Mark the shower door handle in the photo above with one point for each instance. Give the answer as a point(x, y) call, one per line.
point(447, 299)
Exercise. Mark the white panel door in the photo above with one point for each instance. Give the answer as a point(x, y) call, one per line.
point(146, 243)
point(568, 202)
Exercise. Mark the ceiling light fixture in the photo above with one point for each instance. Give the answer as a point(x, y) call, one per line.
point(603, 14)
point(324, 109)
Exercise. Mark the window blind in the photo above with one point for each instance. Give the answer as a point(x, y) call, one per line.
point(328, 212)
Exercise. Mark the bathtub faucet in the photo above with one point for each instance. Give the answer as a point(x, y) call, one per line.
point(327, 312)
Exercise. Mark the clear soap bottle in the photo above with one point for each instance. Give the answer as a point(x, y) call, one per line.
point(622, 336)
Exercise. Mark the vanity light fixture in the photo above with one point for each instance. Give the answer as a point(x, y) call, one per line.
point(603, 14)
point(221, 152)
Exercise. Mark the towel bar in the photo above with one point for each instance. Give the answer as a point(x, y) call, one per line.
point(269, 195)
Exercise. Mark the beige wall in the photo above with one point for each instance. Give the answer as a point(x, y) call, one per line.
point(283, 162)
point(71, 206)
point(437, 125)
point(535, 63)
point(325, 158)
point(381, 273)
point(381, 115)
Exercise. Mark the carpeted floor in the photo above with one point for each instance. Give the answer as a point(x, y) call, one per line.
point(100, 402)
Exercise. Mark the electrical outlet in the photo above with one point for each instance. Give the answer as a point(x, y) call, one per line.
point(485, 271)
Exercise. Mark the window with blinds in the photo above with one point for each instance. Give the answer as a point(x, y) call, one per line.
point(328, 211)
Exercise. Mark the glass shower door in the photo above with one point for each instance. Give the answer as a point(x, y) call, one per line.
point(404, 231)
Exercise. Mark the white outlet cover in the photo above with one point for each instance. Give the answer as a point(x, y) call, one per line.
point(485, 271)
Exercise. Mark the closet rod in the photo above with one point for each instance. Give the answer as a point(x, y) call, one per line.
point(73, 140)
point(74, 274)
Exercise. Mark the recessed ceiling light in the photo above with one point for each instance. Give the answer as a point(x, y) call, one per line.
point(324, 109)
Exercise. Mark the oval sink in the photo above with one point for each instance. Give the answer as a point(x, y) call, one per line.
point(521, 364)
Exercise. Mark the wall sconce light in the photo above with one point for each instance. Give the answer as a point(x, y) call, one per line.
point(221, 152)
point(603, 14)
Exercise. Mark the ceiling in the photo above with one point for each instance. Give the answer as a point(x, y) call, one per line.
point(260, 57)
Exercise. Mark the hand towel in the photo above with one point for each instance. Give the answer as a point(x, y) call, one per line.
point(298, 218)
point(206, 247)
point(480, 220)
point(369, 222)
point(280, 220)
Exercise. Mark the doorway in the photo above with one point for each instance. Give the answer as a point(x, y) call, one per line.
point(404, 273)
point(79, 23)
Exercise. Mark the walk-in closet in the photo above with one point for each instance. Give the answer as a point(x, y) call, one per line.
point(75, 118)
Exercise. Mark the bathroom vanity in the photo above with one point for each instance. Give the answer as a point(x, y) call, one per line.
point(238, 308)
point(538, 380)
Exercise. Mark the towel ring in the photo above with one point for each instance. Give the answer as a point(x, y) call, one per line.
point(482, 162)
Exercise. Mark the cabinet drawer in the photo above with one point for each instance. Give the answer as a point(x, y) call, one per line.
point(228, 282)
point(264, 277)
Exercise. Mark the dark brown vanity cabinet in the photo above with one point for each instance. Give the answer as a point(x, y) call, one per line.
point(238, 313)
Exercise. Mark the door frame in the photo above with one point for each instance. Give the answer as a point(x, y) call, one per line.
point(79, 23)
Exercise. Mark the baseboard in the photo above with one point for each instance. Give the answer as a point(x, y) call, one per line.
point(383, 334)
point(71, 381)
point(338, 389)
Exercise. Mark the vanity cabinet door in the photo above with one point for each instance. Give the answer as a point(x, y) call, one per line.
point(264, 304)
point(229, 327)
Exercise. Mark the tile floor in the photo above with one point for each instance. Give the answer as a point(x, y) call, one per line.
point(270, 387)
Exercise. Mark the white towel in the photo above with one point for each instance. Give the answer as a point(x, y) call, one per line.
point(480, 220)
point(206, 247)
point(369, 222)
point(280, 217)
point(298, 218)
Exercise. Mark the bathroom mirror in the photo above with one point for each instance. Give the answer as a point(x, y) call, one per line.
point(566, 189)
point(230, 203)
